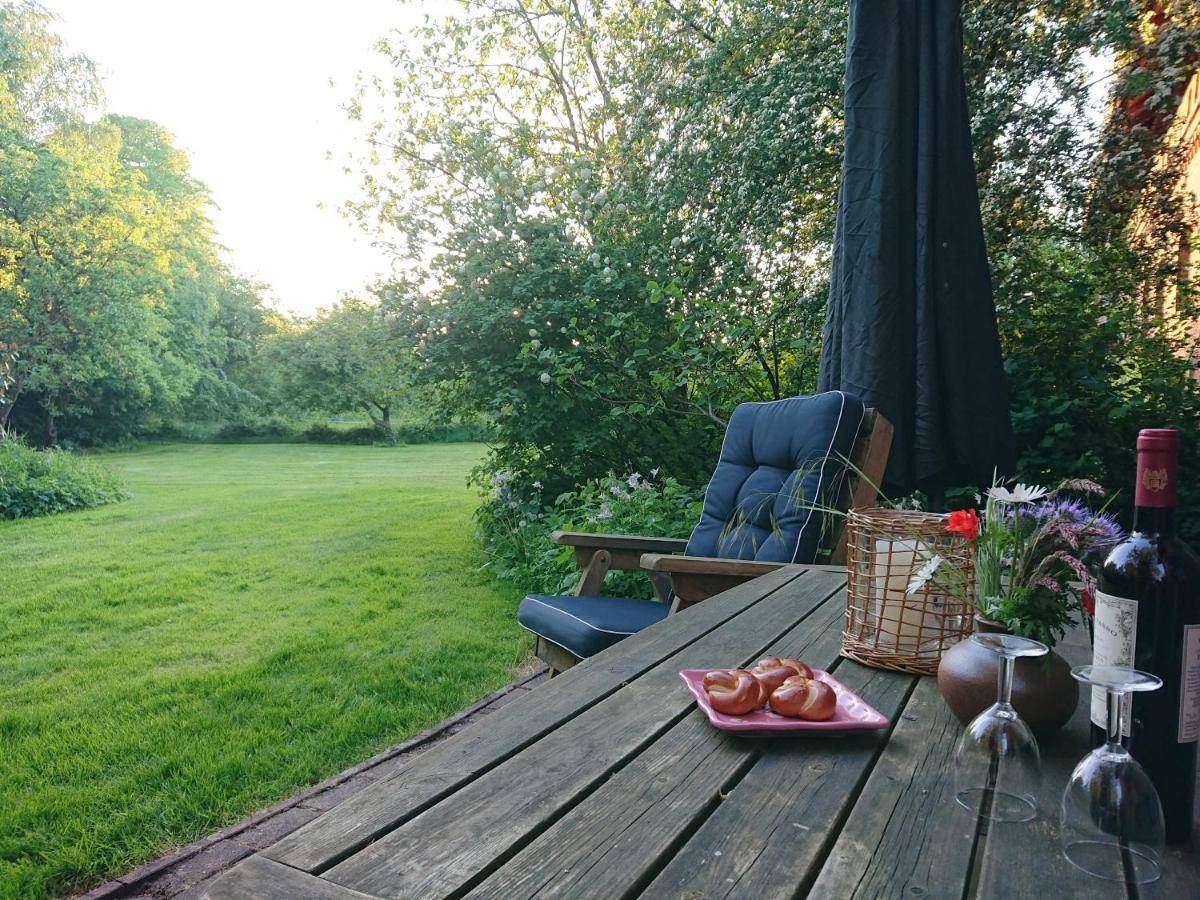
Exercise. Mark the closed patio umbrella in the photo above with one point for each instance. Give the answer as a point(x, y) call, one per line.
point(911, 324)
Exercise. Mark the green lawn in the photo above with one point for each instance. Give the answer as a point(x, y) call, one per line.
point(255, 619)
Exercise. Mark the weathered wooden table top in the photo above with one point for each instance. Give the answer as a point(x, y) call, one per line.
point(608, 782)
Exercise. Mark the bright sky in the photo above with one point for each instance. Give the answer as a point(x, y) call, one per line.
point(244, 86)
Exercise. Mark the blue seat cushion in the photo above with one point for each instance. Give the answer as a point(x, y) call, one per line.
point(587, 625)
point(781, 463)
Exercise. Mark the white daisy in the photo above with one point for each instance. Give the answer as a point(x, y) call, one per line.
point(923, 575)
point(1020, 494)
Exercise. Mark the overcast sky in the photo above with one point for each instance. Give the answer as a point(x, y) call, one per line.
point(244, 87)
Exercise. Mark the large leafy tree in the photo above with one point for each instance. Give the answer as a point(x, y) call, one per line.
point(343, 360)
point(626, 209)
point(112, 285)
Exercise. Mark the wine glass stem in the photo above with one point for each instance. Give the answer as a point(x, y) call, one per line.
point(1004, 680)
point(1114, 718)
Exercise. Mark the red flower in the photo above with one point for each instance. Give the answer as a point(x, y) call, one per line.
point(964, 522)
point(1088, 596)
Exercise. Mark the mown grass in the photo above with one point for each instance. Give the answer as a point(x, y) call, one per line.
point(253, 620)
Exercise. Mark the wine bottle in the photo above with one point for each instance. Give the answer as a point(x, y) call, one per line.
point(1148, 617)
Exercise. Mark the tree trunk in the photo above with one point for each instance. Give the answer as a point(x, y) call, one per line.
point(10, 388)
point(51, 428)
point(382, 420)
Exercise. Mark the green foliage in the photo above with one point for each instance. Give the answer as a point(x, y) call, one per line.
point(404, 434)
point(1088, 367)
point(563, 350)
point(42, 482)
point(256, 429)
point(516, 520)
point(635, 237)
point(111, 282)
point(253, 621)
point(343, 360)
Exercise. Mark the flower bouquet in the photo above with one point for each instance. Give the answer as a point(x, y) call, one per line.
point(1031, 553)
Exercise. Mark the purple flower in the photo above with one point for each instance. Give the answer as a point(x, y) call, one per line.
point(1101, 526)
point(1071, 510)
point(1107, 529)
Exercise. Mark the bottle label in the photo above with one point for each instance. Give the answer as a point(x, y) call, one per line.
point(1114, 645)
point(1189, 686)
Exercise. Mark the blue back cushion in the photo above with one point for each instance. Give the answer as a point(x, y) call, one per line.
point(778, 461)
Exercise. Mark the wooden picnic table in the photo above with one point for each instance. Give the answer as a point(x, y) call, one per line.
point(608, 782)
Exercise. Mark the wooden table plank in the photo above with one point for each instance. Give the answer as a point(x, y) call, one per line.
point(445, 849)
point(258, 878)
point(1025, 860)
point(1181, 868)
point(431, 776)
point(767, 839)
point(605, 782)
point(615, 839)
point(906, 836)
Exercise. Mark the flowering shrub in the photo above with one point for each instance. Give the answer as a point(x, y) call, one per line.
point(516, 520)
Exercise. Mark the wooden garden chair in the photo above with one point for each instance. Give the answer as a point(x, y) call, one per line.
point(781, 463)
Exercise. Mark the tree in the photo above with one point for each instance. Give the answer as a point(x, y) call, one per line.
point(344, 360)
point(111, 282)
point(42, 86)
point(658, 181)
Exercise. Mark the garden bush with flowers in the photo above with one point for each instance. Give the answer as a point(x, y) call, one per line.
point(515, 525)
point(1033, 551)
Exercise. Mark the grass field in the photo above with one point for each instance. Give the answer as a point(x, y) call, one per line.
point(255, 619)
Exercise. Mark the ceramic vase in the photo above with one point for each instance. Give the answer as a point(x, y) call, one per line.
point(1044, 694)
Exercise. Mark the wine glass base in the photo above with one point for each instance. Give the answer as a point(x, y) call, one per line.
point(998, 806)
point(1112, 862)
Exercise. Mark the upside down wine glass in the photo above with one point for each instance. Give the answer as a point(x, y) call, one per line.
point(1111, 821)
point(997, 767)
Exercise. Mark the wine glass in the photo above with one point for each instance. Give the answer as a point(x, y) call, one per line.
point(997, 766)
point(1111, 821)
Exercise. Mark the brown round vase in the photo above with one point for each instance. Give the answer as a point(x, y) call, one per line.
point(1043, 692)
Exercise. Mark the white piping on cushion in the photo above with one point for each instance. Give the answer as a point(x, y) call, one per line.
point(821, 477)
point(721, 456)
point(708, 487)
point(563, 612)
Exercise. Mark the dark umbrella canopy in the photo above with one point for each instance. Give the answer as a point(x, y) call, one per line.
point(911, 325)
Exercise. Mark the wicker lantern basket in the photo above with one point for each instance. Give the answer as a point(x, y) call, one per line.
point(886, 627)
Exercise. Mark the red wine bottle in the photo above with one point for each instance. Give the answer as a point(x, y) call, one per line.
point(1148, 617)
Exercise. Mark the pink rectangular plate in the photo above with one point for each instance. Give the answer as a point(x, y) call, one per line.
point(852, 713)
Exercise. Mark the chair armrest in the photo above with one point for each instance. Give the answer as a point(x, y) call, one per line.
point(624, 542)
point(707, 565)
point(696, 578)
point(612, 551)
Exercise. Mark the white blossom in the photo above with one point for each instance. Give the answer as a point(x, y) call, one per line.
point(923, 575)
point(603, 513)
point(1020, 494)
point(544, 378)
